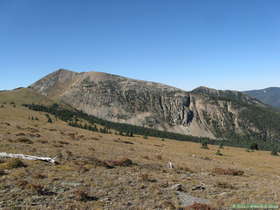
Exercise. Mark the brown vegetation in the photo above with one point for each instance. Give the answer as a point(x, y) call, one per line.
point(229, 171)
point(199, 206)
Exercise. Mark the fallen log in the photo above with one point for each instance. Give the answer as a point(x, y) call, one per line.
point(27, 157)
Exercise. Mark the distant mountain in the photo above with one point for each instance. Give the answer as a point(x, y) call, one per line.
point(270, 96)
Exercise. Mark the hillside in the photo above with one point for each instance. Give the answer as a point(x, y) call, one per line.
point(91, 174)
point(269, 96)
point(24, 95)
point(202, 112)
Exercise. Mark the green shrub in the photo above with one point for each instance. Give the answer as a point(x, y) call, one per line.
point(274, 151)
point(204, 145)
point(254, 146)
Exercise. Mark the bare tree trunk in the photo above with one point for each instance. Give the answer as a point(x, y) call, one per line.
point(27, 157)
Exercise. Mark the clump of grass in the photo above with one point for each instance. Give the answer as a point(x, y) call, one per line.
point(22, 183)
point(224, 185)
point(159, 157)
point(249, 150)
point(42, 141)
point(20, 134)
point(229, 171)
point(186, 169)
point(13, 163)
point(198, 206)
point(63, 142)
point(2, 173)
point(39, 176)
point(219, 153)
point(125, 162)
point(82, 195)
point(24, 140)
point(146, 157)
point(36, 188)
point(147, 178)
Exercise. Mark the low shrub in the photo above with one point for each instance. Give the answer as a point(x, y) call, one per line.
point(122, 162)
point(224, 185)
point(36, 188)
point(82, 195)
point(159, 157)
point(254, 146)
point(14, 163)
point(147, 178)
point(229, 171)
point(198, 206)
point(24, 140)
point(218, 153)
point(2, 173)
point(204, 145)
point(274, 151)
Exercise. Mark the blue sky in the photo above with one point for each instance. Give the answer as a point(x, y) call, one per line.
point(223, 44)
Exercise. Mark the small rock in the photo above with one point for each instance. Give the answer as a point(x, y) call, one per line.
point(200, 187)
point(177, 187)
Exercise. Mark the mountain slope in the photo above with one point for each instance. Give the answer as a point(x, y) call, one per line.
point(24, 95)
point(84, 180)
point(202, 112)
point(269, 96)
point(21, 96)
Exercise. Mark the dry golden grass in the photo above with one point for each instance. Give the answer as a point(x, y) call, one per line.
point(84, 157)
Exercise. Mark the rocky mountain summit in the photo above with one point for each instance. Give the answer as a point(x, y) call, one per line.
point(201, 112)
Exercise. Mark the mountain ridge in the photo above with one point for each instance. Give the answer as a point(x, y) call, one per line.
point(270, 95)
point(202, 112)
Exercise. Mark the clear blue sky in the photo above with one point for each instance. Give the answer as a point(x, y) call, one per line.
point(224, 44)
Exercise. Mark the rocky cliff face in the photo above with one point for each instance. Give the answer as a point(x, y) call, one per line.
point(202, 112)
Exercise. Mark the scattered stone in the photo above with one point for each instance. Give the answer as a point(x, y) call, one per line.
point(177, 187)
